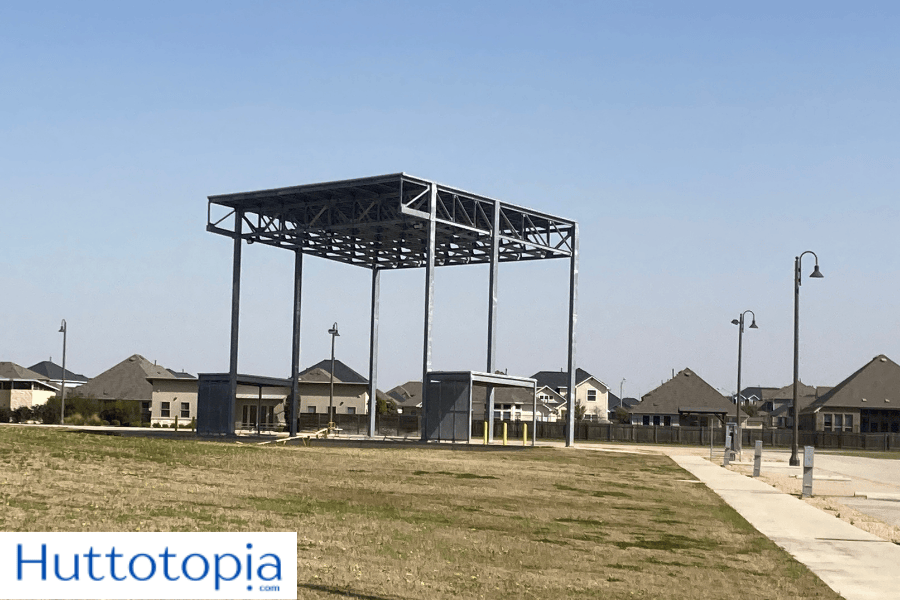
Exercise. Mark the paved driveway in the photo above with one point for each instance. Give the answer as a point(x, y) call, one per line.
point(841, 477)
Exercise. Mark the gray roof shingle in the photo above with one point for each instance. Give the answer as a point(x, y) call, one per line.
point(686, 390)
point(876, 386)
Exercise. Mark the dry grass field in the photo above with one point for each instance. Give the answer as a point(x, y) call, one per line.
point(387, 522)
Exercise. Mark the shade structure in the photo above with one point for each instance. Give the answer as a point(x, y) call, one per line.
point(395, 221)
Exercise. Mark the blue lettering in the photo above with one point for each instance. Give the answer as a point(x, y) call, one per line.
point(276, 565)
point(237, 568)
point(91, 556)
point(112, 563)
point(152, 567)
point(184, 568)
point(165, 556)
point(249, 563)
point(42, 561)
point(56, 568)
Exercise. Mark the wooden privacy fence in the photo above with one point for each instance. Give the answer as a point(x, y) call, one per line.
point(409, 427)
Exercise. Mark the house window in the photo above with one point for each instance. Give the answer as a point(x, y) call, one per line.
point(186, 410)
point(656, 419)
point(592, 395)
point(838, 422)
point(164, 409)
point(848, 422)
point(646, 419)
point(667, 421)
point(827, 422)
point(351, 410)
point(310, 409)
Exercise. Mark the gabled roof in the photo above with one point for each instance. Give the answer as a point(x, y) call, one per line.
point(10, 370)
point(128, 380)
point(685, 392)
point(787, 392)
point(560, 379)
point(321, 373)
point(51, 370)
point(407, 395)
point(875, 386)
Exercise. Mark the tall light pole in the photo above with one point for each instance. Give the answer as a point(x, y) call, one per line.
point(621, 388)
point(334, 333)
point(736, 442)
point(795, 460)
point(62, 406)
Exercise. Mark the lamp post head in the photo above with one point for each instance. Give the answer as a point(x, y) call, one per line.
point(334, 330)
point(735, 322)
point(62, 327)
point(753, 324)
point(816, 272)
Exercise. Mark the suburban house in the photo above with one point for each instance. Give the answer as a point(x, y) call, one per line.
point(130, 385)
point(615, 403)
point(589, 391)
point(408, 398)
point(775, 405)
point(54, 373)
point(351, 390)
point(683, 400)
point(172, 396)
point(868, 401)
point(21, 387)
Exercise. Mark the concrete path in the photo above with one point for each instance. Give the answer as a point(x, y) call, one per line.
point(856, 564)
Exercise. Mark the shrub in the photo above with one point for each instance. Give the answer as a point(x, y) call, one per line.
point(4, 415)
point(23, 414)
point(75, 419)
point(157, 425)
point(193, 423)
point(115, 423)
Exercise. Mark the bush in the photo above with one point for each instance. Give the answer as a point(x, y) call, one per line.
point(75, 419)
point(4, 415)
point(193, 424)
point(157, 425)
point(47, 413)
point(115, 423)
point(23, 414)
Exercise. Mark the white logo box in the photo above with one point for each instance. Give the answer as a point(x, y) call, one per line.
point(148, 565)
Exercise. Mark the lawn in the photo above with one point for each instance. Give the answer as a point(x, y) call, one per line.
point(406, 521)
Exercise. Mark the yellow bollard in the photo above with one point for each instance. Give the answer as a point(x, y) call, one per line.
point(485, 433)
point(524, 434)
point(504, 434)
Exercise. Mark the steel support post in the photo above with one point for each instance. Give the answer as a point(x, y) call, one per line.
point(429, 305)
point(573, 318)
point(373, 351)
point(492, 320)
point(534, 414)
point(235, 318)
point(295, 342)
point(795, 459)
point(737, 442)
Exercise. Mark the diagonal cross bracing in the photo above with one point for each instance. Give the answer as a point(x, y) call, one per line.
point(382, 222)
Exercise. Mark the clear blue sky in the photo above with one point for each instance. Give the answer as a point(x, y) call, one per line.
point(701, 146)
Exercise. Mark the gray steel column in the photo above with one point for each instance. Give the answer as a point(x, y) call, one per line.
point(373, 350)
point(429, 305)
point(492, 320)
point(573, 318)
point(295, 342)
point(235, 317)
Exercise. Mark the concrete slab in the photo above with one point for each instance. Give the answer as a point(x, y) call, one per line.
point(854, 563)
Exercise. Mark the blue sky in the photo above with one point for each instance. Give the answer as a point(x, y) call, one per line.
point(701, 146)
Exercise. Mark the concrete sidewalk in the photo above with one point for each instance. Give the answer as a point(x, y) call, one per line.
point(856, 564)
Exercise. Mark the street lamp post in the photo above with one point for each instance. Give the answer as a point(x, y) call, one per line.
point(736, 442)
point(795, 459)
point(621, 392)
point(62, 406)
point(334, 333)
